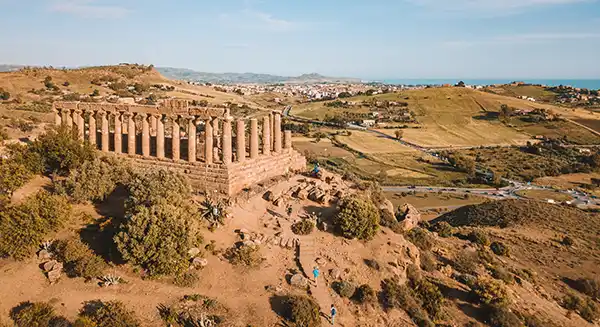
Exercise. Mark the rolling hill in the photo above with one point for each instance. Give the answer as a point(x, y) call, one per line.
point(248, 78)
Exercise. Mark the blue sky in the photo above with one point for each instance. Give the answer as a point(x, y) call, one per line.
point(371, 39)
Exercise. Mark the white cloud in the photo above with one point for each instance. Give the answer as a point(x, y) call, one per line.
point(523, 38)
point(491, 6)
point(89, 9)
point(253, 19)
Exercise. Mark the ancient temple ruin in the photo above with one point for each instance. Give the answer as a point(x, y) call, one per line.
point(196, 141)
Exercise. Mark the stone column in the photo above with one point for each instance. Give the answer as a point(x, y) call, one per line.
point(74, 118)
point(227, 140)
point(153, 125)
point(266, 137)
point(145, 136)
point(104, 117)
point(160, 137)
point(67, 119)
point(57, 117)
point(80, 125)
point(287, 140)
point(216, 139)
point(93, 130)
point(208, 141)
point(175, 139)
point(131, 133)
point(253, 138)
point(118, 133)
point(277, 132)
point(272, 129)
point(192, 139)
point(241, 140)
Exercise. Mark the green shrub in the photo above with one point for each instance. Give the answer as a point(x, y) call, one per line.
point(344, 288)
point(150, 186)
point(61, 150)
point(94, 180)
point(444, 229)
point(13, 175)
point(387, 219)
point(365, 294)
point(303, 311)
point(500, 248)
point(501, 316)
point(187, 279)
point(158, 238)
point(78, 259)
point(502, 274)
point(357, 218)
point(24, 227)
point(589, 311)
point(37, 314)
point(244, 255)
point(108, 314)
point(430, 296)
point(400, 296)
point(490, 291)
point(428, 262)
point(479, 237)
point(568, 241)
point(21, 154)
point(589, 286)
point(466, 262)
point(304, 227)
point(421, 238)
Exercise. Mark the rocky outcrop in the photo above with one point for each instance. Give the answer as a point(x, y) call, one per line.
point(411, 217)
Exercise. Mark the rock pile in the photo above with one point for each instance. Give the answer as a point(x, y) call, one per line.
point(286, 242)
point(53, 270)
point(412, 217)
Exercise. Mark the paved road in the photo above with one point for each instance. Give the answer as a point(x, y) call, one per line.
point(509, 192)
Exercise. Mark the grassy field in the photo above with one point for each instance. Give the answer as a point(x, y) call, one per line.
point(544, 195)
point(374, 158)
point(432, 200)
point(537, 92)
point(559, 130)
point(448, 116)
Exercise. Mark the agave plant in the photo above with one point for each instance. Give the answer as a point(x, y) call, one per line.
point(47, 245)
point(110, 280)
point(204, 321)
point(213, 211)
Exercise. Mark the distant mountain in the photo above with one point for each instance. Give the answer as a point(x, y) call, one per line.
point(10, 68)
point(244, 78)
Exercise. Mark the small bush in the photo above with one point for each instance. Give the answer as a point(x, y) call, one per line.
point(344, 288)
point(373, 264)
point(479, 237)
point(94, 180)
point(490, 291)
point(502, 274)
point(13, 175)
point(365, 294)
point(303, 311)
point(304, 227)
point(387, 219)
point(61, 150)
point(357, 218)
point(37, 314)
point(428, 262)
point(443, 229)
point(401, 297)
point(467, 262)
point(107, 314)
point(431, 298)
point(244, 256)
point(501, 316)
point(79, 260)
point(589, 311)
point(589, 286)
point(421, 238)
point(24, 227)
point(500, 248)
point(187, 279)
point(568, 241)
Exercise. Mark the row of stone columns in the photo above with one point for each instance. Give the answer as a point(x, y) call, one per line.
point(271, 134)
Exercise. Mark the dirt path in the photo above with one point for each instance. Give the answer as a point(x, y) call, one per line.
point(32, 187)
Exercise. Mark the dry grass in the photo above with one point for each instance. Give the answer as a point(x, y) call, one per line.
point(367, 142)
point(544, 195)
point(432, 200)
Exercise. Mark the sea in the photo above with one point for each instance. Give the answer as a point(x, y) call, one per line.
point(592, 84)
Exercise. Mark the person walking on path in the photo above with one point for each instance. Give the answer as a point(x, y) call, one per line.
point(333, 314)
point(316, 275)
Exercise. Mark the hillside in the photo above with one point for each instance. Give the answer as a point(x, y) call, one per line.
point(247, 78)
point(446, 117)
